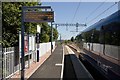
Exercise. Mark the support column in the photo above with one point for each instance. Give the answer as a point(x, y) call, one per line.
point(51, 36)
point(22, 48)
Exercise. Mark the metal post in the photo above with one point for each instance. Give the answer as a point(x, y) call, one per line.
point(22, 47)
point(28, 51)
point(3, 64)
point(60, 38)
point(37, 52)
point(1, 44)
point(13, 60)
point(5, 68)
point(19, 51)
point(51, 36)
point(9, 62)
point(38, 40)
point(76, 27)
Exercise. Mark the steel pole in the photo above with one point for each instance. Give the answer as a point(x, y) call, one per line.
point(28, 50)
point(22, 47)
point(51, 36)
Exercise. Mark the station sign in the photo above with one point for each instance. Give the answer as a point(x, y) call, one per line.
point(43, 16)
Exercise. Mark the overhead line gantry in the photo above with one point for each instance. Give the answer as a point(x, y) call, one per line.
point(70, 24)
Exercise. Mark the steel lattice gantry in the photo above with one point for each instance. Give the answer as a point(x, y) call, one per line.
point(70, 24)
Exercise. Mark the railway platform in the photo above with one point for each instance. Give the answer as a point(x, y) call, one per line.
point(52, 67)
point(80, 71)
point(62, 65)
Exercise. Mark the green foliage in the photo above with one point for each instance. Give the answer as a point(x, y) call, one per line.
point(46, 30)
point(31, 28)
point(79, 38)
point(55, 34)
point(87, 36)
point(45, 38)
point(66, 41)
point(11, 18)
point(72, 39)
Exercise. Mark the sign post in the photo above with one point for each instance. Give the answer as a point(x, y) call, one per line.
point(22, 47)
point(51, 36)
point(38, 41)
point(30, 14)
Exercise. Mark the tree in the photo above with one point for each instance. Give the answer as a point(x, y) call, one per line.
point(46, 30)
point(11, 18)
point(72, 39)
point(45, 38)
point(55, 34)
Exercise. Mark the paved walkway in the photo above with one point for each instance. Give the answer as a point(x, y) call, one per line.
point(52, 67)
point(33, 67)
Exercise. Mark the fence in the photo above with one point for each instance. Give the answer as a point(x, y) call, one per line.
point(8, 62)
point(11, 59)
point(12, 55)
point(109, 50)
point(0, 63)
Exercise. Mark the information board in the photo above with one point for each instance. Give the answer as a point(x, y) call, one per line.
point(43, 16)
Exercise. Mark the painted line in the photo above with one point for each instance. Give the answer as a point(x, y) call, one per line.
point(61, 78)
point(69, 50)
point(58, 64)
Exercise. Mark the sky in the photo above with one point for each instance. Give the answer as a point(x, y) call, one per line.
point(65, 11)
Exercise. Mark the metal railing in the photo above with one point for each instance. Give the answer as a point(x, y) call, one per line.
point(11, 58)
point(8, 62)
